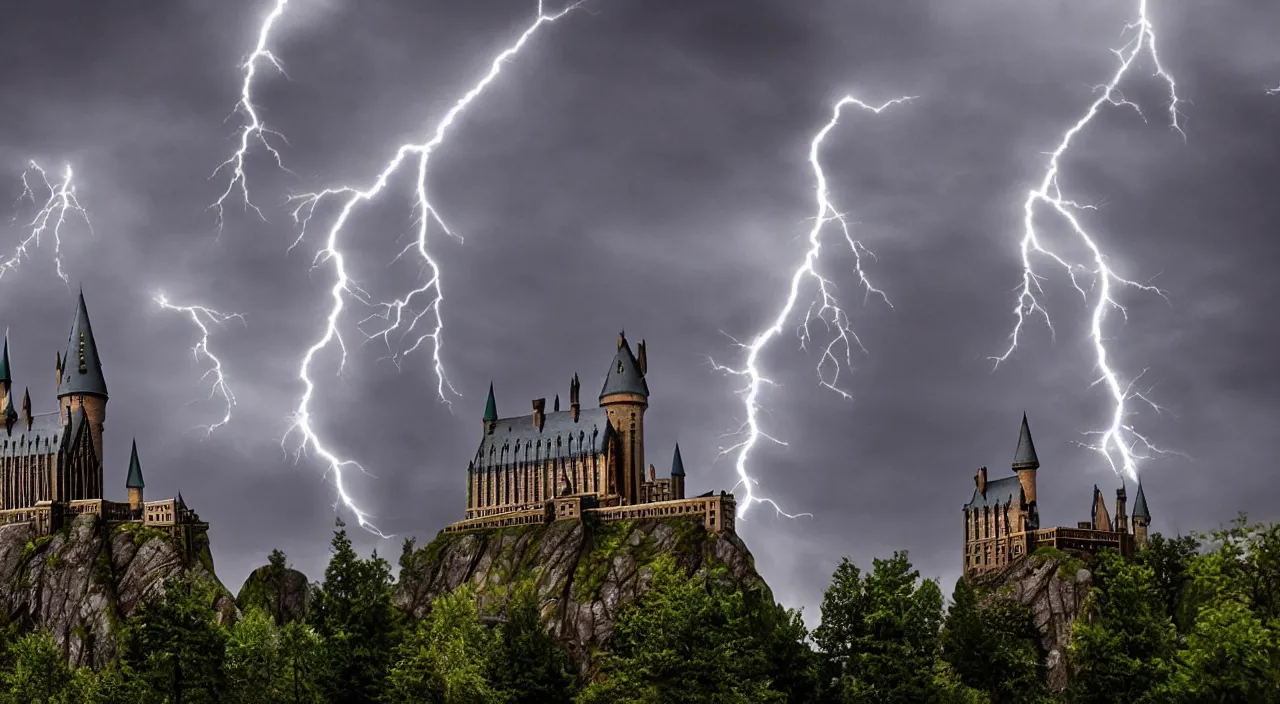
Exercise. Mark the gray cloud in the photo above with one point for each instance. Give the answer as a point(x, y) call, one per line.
point(642, 166)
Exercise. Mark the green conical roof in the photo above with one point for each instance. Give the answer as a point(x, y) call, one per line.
point(1025, 456)
point(677, 464)
point(1140, 505)
point(624, 375)
point(81, 367)
point(5, 374)
point(135, 470)
point(491, 406)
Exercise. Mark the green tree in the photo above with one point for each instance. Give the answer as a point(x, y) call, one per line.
point(174, 646)
point(300, 653)
point(37, 671)
point(992, 645)
point(356, 620)
point(1169, 560)
point(528, 664)
point(1124, 642)
point(253, 664)
point(447, 658)
point(688, 639)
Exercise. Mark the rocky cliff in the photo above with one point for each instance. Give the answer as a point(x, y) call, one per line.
point(583, 571)
point(1054, 586)
point(84, 580)
point(282, 592)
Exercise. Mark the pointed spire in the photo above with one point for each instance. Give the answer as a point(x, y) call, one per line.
point(677, 464)
point(1140, 504)
point(556, 408)
point(135, 470)
point(490, 406)
point(1025, 456)
point(5, 375)
point(82, 369)
point(624, 375)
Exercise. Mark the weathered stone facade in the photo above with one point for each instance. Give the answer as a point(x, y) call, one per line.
point(565, 465)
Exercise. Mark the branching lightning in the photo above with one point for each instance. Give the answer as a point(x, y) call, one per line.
point(203, 317)
point(825, 309)
point(50, 217)
point(1119, 443)
point(253, 131)
point(400, 317)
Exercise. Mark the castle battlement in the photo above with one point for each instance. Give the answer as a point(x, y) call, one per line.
point(51, 467)
point(580, 463)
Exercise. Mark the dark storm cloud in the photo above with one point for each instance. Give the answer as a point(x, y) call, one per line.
point(642, 166)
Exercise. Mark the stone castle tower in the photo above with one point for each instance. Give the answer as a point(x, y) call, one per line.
point(625, 397)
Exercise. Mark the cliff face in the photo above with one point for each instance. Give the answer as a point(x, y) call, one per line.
point(1054, 586)
point(282, 592)
point(82, 581)
point(583, 572)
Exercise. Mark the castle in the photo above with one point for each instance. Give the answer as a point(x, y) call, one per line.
point(51, 464)
point(581, 463)
point(1002, 523)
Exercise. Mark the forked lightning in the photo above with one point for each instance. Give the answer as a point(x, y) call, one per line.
point(202, 317)
point(49, 219)
point(1119, 443)
point(400, 315)
point(825, 309)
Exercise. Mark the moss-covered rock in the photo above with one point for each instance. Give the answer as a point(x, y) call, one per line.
point(281, 592)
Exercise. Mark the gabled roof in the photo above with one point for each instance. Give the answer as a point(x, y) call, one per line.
point(560, 437)
point(44, 437)
point(1006, 491)
point(677, 464)
point(624, 375)
point(81, 368)
point(1025, 456)
point(135, 470)
point(1140, 505)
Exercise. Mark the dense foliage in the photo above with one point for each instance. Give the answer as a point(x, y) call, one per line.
point(1192, 619)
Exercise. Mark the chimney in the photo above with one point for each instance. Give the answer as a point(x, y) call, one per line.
point(981, 480)
point(539, 411)
point(643, 359)
point(1122, 518)
point(574, 407)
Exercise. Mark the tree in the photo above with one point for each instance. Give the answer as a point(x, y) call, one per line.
point(37, 671)
point(252, 667)
point(528, 664)
point(992, 645)
point(356, 620)
point(447, 657)
point(300, 651)
point(174, 646)
point(1123, 645)
point(1169, 560)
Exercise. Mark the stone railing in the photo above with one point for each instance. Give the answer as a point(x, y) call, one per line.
point(717, 513)
point(502, 520)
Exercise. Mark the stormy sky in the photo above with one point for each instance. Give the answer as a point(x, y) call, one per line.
point(643, 166)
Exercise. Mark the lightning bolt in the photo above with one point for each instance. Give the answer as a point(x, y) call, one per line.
point(253, 130)
point(825, 309)
point(50, 217)
point(1119, 443)
point(202, 317)
point(399, 315)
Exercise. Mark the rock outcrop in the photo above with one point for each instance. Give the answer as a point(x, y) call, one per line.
point(583, 572)
point(1054, 586)
point(282, 592)
point(84, 580)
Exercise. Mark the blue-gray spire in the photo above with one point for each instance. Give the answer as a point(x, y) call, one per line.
point(5, 374)
point(1140, 504)
point(1025, 456)
point(490, 406)
point(625, 376)
point(135, 470)
point(677, 464)
point(81, 367)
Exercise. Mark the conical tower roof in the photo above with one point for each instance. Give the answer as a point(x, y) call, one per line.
point(677, 464)
point(5, 374)
point(491, 406)
point(135, 470)
point(624, 375)
point(1025, 456)
point(81, 367)
point(1140, 504)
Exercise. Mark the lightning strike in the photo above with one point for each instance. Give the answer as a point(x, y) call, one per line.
point(400, 316)
point(825, 309)
point(253, 131)
point(1119, 443)
point(50, 217)
point(203, 317)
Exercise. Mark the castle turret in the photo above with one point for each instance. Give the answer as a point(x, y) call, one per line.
point(625, 396)
point(80, 381)
point(134, 483)
point(6, 377)
point(1121, 522)
point(1025, 461)
point(1141, 517)
point(490, 413)
point(677, 475)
